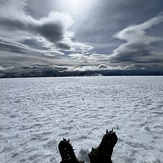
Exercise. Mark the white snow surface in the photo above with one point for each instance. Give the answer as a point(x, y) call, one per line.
point(36, 113)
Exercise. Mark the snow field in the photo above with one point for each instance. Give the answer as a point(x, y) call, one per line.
point(36, 113)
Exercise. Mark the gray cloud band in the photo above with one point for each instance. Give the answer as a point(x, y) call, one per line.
point(53, 30)
point(137, 49)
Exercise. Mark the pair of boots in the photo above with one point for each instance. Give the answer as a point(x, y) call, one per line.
point(101, 154)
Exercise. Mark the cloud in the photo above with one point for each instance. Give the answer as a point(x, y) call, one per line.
point(5, 68)
point(48, 36)
point(17, 26)
point(54, 27)
point(37, 33)
point(89, 58)
point(135, 39)
point(139, 31)
point(84, 58)
point(63, 45)
point(99, 67)
point(81, 47)
point(138, 47)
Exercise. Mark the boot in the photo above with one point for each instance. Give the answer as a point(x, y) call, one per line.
point(103, 153)
point(67, 152)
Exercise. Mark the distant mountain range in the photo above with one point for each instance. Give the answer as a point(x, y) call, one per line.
point(48, 72)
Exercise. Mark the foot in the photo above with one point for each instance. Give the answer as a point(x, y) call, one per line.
point(103, 153)
point(67, 152)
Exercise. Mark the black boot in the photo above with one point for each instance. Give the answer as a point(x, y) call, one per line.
point(103, 153)
point(67, 152)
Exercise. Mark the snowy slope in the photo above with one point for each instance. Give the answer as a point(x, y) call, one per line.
point(36, 113)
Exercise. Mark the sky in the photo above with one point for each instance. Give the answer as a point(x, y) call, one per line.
point(81, 34)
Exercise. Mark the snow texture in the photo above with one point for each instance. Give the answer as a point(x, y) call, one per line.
point(36, 113)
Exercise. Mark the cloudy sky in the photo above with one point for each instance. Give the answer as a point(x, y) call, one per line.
point(81, 33)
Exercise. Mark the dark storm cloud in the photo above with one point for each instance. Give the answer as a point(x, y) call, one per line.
point(63, 46)
point(53, 32)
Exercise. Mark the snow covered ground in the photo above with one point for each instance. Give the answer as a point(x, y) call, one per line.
point(36, 113)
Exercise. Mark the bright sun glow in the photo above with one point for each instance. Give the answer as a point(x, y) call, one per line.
point(75, 2)
point(74, 6)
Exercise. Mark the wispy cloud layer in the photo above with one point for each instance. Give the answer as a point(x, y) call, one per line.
point(48, 36)
point(137, 47)
point(98, 33)
point(54, 27)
